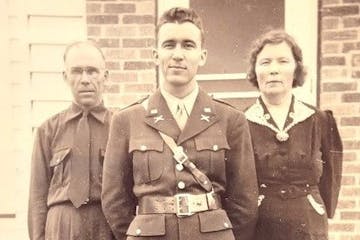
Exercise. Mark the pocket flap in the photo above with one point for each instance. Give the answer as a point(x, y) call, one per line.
point(213, 144)
point(147, 225)
point(212, 221)
point(59, 156)
point(146, 145)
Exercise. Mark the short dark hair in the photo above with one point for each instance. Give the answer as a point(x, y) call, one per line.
point(276, 37)
point(78, 43)
point(181, 15)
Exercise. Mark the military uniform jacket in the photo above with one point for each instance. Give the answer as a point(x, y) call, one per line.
point(138, 163)
point(308, 159)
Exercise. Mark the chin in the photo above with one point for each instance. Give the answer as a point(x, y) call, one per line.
point(178, 81)
point(87, 103)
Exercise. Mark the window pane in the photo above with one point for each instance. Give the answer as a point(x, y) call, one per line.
point(231, 26)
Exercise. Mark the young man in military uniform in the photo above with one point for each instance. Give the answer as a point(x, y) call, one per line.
point(69, 149)
point(180, 165)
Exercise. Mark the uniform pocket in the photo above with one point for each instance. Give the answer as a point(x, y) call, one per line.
point(147, 159)
point(147, 225)
point(211, 153)
point(213, 221)
point(57, 165)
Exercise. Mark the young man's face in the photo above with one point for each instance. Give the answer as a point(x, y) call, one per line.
point(85, 74)
point(179, 54)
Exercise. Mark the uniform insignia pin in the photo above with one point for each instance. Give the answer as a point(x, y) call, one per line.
point(159, 118)
point(205, 118)
point(154, 111)
point(207, 110)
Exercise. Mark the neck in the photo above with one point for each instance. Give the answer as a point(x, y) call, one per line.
point(277, 101)
point(180, 91)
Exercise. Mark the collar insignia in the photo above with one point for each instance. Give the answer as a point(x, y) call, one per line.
point(158, 118)
point(154, 111)
point(207, 110)
point(205, 118)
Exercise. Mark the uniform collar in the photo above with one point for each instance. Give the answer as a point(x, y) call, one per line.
point(160, 117)
point(259, 114)
point(173, 101)
point(97, 112)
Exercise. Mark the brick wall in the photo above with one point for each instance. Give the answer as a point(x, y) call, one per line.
point(125, 30)
point(339, 91)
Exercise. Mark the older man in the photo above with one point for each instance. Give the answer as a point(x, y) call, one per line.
point(66, 169)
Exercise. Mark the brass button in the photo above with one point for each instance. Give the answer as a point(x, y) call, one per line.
point(143, 147)
point(226, 225)
point(215, 147)
point(138, 232)
point(179, 167)
point(181, 185)
point(267, 116)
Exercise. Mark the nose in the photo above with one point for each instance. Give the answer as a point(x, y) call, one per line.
point(178, 53)
point(274, 68)
point(84, 78)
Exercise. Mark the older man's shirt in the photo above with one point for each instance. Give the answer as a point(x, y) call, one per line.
point(52, 157)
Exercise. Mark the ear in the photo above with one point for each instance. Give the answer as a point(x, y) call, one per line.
point(64, 76)
point(203, 57)
point(106, 75)
point(155, 55)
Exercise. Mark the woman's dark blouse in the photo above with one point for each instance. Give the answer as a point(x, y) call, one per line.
point(292, 173)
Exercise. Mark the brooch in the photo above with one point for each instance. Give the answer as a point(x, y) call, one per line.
point(282, 136)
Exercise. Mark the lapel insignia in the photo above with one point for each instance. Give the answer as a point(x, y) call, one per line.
point(158, 118)
point(207, 110)
point(154, 111)
point(205, 118)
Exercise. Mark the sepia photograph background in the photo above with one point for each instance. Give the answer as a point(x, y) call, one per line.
point(34, 33)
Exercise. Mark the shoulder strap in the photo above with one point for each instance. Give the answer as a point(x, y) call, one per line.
point(181, 158)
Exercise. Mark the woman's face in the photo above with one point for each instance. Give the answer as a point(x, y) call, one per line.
point(275, 69)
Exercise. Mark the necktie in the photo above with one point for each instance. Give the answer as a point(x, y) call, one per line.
point(181, 116)
point(79, 182)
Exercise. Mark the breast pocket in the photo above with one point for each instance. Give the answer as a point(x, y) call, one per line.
point(148, 163)
point(211, 153)
point(58, 165)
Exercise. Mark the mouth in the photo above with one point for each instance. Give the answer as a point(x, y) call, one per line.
point(86, 91)
point(177, 67)
point(273, 81)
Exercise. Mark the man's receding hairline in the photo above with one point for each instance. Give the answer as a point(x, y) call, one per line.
point(77, 45)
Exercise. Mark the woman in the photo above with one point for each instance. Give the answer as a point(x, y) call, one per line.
point(298, 150)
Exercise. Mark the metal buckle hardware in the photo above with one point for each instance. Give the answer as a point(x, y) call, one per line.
point(179, 155)
point(182, 204)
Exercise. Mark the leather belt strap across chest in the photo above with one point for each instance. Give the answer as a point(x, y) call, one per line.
point(180, 204)
point(181, 158)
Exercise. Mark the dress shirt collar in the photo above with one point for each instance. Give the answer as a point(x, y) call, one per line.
point(173, 101)
point(97, 112)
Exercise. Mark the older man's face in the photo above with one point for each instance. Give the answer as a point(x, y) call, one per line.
point(85, 73)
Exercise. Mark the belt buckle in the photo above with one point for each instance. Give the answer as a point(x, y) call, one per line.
point(288, 192)
point(179, 155)
point(182, 205)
